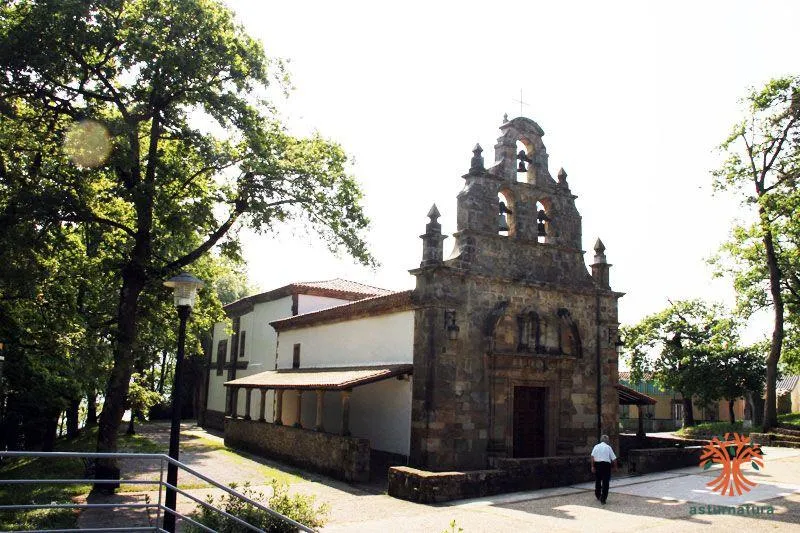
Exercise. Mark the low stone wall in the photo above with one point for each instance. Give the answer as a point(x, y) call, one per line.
point(661, 459)
point(510, 475)
point(213, 419)
point(632, 442)
point(345, 458)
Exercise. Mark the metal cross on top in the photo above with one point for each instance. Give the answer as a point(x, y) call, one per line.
point(520, 102)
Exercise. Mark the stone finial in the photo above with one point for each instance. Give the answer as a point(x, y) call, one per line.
point(432, 239)
point(505, 118)
point(599, 247)
point(562, 175)
point(476, 165)
point(600, 268)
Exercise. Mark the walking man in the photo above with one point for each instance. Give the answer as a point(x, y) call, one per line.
point(602, 459)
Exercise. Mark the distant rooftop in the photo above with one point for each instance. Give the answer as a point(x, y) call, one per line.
point(344, 285)
point(333, 288)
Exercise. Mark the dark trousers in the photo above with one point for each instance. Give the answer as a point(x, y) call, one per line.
point(602, 475)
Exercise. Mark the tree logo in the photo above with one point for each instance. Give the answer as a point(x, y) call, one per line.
point(731, 454)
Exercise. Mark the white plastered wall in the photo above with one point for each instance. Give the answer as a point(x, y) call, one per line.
point(307, 303)
point(382, 339)
point(216, 390)
point(381, 411)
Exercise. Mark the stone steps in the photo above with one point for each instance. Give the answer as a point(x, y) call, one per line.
point(785, 429)
point(775, 438)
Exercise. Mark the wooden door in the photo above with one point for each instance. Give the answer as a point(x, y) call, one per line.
point(530, 413)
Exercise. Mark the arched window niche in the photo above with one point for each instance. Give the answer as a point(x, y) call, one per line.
point(506, 224)
point(544, 228)
point(548, 333)
point(524, 160)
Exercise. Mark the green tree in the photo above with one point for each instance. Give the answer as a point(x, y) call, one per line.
point(188, 147)
point(736, 372)
point(675, 346)
point(762, 167)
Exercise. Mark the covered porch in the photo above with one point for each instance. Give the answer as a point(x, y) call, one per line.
point(282, 426)
point(628, 396)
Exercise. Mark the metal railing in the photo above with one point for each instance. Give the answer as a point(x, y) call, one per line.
point(160, 509)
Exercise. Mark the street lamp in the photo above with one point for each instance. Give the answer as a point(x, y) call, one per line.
point(184, 288)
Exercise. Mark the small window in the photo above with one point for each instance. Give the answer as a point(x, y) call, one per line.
point(222, 349)
point(296, 356)
point(677, 411)
point(242, 338)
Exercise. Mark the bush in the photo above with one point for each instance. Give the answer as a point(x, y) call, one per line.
point(298, 507)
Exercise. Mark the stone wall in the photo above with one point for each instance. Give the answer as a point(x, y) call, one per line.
point(213, 419)
point(661, 459)
point(511, 475)
point(345, 458)
point(632, 442)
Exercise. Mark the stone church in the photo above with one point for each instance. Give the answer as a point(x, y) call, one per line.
point(505, 349)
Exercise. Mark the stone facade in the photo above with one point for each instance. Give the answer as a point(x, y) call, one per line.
point(345, 458)
point(513, 336)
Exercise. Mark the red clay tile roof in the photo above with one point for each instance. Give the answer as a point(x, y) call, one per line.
point(628, 396)
point(343, 285)
point(377, 305)
point(626, 375)
point(332, 288)
point(321, 378)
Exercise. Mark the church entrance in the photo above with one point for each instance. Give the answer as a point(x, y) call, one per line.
point(530, 411)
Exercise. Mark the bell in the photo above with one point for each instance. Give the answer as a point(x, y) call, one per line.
point(521, 167)
point(540, 229)
point(502, 223)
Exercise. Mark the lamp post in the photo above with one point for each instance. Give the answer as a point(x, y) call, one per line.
point(184, 290)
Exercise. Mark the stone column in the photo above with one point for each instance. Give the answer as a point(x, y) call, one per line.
point(247, 403)
point(234, 395)
point(298, 423)
point(640, 432)
point(320, 398)
point(277, 418)
point(261, 417)
point(346, 412)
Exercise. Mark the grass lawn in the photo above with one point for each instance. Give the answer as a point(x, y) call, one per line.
point(790, 419)
point(66, 468)
point(708, 430)
point(60, 468)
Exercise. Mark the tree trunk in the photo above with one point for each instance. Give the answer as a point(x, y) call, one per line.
point(131, 429)
point(731, 414)
point(50, 429)
point(770, 402)
point(133, 281)
point(72, 418)
point(688, 412)
point(91, 409)
point(162, 376)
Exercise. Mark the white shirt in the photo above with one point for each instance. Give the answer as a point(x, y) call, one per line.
point(603, 453)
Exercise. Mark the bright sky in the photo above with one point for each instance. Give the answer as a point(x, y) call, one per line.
point(633, 98)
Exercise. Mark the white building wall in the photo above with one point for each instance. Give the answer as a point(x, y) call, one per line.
point(383, 339)
point(216, 391)
point(381, 411)
point(308, 304)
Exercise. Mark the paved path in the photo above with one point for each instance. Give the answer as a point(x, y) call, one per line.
point(661, 502)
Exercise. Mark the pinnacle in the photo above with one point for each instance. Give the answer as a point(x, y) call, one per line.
point(477, 149)
point(562, 174)
point(433, 214)
point(599, 247)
